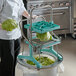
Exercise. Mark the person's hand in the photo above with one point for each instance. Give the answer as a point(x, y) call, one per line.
point(0, 26)
point(34, 17)
point(27, 15)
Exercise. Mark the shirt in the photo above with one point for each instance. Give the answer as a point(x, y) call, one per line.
point(11, 9)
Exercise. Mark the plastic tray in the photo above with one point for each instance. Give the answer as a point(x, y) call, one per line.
point(42, 26)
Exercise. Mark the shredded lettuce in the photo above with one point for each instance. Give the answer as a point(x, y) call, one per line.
point(45, 61)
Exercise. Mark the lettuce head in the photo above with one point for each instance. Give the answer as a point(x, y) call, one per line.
point(9, 25)
point(44, 36)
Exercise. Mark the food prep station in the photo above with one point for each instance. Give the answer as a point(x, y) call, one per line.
point(41, 48)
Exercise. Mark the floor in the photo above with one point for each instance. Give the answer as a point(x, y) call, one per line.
point(68, 49)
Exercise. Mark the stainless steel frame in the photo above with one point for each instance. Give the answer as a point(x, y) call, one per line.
point(39, 43)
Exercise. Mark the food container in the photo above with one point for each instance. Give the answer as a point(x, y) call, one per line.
point(50, 70)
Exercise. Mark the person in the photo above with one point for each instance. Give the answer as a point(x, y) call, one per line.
point(10, 40)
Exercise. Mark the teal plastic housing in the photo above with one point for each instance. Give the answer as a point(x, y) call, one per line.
point(44, 49)
point(42, 26)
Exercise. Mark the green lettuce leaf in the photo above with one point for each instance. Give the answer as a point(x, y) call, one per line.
point(9, 25)
point(44, 36)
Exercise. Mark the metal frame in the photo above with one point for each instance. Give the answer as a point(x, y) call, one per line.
point(39, 46)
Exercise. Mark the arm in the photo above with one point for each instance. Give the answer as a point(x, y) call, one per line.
point(23, 10)
point(25, 13)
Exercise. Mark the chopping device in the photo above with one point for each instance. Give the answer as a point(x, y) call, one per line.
point(41, 47)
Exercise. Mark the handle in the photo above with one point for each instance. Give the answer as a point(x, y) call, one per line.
point(57, 13)
point(61, 8)
point(43, 7)
point(23, 32)
point(39, 16)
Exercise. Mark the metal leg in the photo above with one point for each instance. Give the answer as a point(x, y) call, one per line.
point(65, 35)
point(74, 36)
point(61, 68)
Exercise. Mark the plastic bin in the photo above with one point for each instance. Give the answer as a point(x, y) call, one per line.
point(49, 71)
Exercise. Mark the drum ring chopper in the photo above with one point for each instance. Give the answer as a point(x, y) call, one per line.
point(40, 46)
